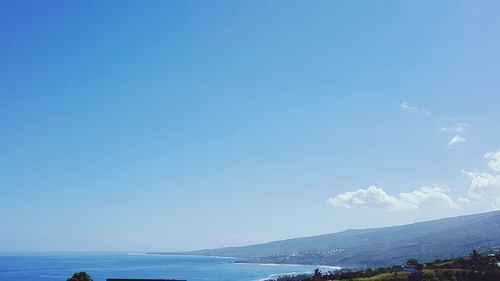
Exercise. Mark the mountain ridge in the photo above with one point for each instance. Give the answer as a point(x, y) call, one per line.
point(380, 246)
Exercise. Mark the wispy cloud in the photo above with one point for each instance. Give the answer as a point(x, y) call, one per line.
point(409, 107)
point(376, 198)
point(460, 130)
point(456, 140)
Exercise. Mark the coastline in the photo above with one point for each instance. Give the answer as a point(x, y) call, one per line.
point(190, 255)
point(332, 267)
point(239, 260)
point(144, 265)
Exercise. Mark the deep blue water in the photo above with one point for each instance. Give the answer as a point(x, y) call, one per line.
point(60, 266)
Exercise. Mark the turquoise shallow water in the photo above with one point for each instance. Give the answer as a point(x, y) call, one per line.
point(60, 266)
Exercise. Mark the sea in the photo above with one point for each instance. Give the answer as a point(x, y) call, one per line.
point(61, 266)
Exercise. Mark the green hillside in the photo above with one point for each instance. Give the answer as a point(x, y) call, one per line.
point(475, 267)
point(437, 239)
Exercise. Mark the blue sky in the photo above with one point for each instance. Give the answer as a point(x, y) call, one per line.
point(178, 125)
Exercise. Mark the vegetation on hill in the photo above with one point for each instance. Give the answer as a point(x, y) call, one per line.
point(425, 241)
point(80, 276)
point(475, 267)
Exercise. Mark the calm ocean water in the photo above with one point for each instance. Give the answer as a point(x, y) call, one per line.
point(60, 266)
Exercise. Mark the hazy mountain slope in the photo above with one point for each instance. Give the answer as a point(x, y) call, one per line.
point(429, 240)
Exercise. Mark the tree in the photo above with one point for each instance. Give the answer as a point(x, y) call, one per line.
point(80, 276)
point(419, 267)
point(412, 262)
point(317, 276)
point(475, 256)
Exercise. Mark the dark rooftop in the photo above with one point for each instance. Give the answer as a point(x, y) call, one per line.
point(121, 279)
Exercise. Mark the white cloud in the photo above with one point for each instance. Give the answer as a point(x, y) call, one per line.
point(486, 186)
point(484, 190)
point(456, 140)
point(494, 157)
point(429, 196)
point(409, 107)
point(371, 197)
point(376, 198)
point(460, 131)
point(463, 200)
point(459, 128)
